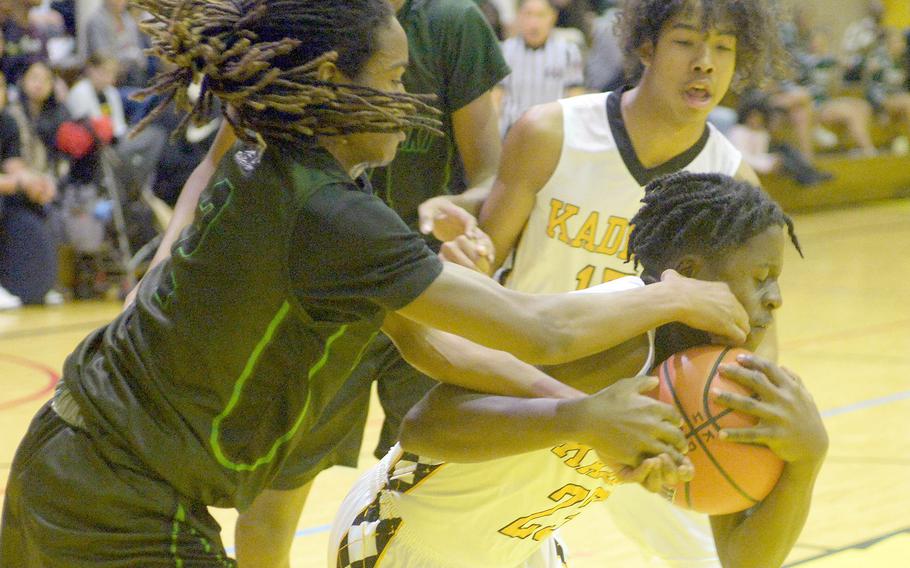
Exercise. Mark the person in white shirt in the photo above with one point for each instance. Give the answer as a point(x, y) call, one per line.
point(544, 67)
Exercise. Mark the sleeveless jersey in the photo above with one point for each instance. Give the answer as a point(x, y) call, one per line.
point(493, 513)
point(578, 232)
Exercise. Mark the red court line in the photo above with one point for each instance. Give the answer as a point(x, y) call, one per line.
point(846, 334)
point(52, 375)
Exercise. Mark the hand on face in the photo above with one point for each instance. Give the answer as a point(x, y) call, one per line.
point(710, 307)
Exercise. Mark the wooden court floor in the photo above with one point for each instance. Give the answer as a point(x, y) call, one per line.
point(844, 326)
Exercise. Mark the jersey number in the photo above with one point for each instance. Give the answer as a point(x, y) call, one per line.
point(536, 525)
point(586, 274)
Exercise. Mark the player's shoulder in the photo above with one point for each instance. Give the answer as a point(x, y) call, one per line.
point(541, 121)
point(728, 157)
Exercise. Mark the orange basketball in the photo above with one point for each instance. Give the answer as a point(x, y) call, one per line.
point(729, 476)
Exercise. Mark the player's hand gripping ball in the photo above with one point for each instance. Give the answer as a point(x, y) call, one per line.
point(729, 476)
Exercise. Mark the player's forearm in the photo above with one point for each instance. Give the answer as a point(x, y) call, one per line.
point(764, 537)
point(472, 199)
point(540, 329)
point(456, 425)
point(454, 360)
point(583, 324)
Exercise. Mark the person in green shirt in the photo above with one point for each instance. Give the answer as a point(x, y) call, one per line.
point(436, 185)
point(434, 182)
point(235, 352)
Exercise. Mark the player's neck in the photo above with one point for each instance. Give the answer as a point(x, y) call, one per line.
point(657, 135)
point(339, 149)
point(675, 337)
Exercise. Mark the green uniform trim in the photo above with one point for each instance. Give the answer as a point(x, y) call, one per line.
point(179, 517)
point(205, 207)
point(238, 389)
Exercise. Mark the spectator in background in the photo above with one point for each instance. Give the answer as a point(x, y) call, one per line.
point(39, 115)
point(67, 11)
point(28, 256)
point(23, 44)
point(183, 151)
point(822, 74)
point(604, 65)
point(577, 14)
point(860, 38)
point(787, 96)
point(752, 137)
point(544, 68)
point(50, 24)
point(111, 32)
point(95, 98)
point(95, 95)
point(96, 103)
point(884, 79)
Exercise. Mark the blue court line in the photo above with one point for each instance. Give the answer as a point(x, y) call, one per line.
point(864, 404)
point(301, 532)
point(831, 412)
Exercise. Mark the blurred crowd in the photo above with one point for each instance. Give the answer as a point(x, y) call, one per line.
point(78, 194)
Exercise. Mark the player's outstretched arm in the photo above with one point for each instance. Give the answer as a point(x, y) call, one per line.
point(789, 424)
point(556, 328)
point(619, 422)
point(530, 155)
point(455, 360)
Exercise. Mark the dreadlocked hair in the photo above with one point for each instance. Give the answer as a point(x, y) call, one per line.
point(760, 54)
point(261, 58)
point(706, 214)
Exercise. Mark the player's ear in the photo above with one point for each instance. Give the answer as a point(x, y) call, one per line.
point(646, 52)
point(330, 73)
point(690, 265)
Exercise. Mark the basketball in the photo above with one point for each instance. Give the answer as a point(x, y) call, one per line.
point(729, 476)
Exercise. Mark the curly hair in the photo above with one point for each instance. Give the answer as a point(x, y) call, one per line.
point(707, 214)
point(261, 58)
point(760, 54)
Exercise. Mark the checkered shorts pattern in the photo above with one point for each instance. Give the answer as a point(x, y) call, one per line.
point(409, 470)
point(370, 533)
point(561, 553)
point(364, 543)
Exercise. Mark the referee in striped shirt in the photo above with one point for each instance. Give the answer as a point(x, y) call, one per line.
point(545, 68)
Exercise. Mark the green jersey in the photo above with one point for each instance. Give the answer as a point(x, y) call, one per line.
point(236, 350)
point(455, 56)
